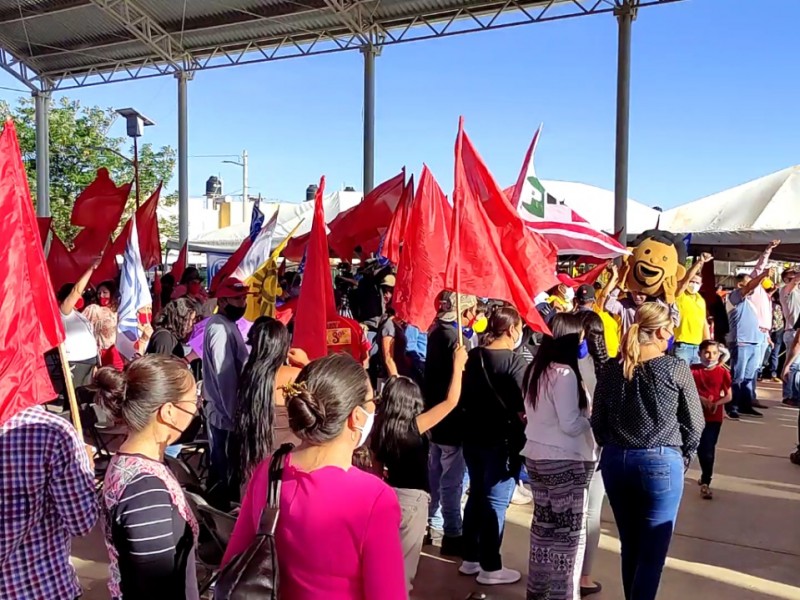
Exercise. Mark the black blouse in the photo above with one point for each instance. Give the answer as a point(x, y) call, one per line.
point(659, 406)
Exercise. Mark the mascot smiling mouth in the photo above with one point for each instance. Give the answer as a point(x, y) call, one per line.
point(647, 275)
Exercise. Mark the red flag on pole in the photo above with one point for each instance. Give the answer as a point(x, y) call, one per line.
point(179, 266)
point(587, 278)
point(230, 265)
point(397, 227)
point(43, 224)
point(30, 323)
point(420, 273)
point(316, 299)
point(492, 252)
point(149, 241)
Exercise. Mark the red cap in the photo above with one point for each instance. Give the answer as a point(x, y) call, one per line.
point(232, 287)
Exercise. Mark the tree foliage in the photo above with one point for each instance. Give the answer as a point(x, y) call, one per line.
point(79, 145)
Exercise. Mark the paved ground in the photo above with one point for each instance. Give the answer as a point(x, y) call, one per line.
point(745, 544)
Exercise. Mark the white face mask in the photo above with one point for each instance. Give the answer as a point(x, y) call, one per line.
point(366, 428)
point(693, 288)
point(518, 341)
point(569, 295)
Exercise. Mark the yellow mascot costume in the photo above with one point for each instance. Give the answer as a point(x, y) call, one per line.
point(655, 266)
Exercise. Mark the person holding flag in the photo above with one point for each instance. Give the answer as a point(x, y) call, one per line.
point(47, 493)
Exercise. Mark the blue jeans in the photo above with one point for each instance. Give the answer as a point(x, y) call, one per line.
point(707, 450)
point(689, 353)
point(747, 359)
point(644, 488)
point(446, 470)
point(773, 354)
point(491, 485)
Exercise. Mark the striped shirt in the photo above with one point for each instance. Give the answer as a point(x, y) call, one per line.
point(47, 496)
point(150, 532)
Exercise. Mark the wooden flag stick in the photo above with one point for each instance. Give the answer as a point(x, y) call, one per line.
point(73, 401)
point(459, 328)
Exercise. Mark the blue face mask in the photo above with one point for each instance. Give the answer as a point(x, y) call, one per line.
point(583, 350)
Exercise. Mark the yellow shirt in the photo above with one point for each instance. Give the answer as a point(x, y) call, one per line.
point(611, 331)
point(692, 309)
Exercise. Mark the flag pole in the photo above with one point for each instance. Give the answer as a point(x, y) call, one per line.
point(73, 401)
point(455, 231)
point(458, 319)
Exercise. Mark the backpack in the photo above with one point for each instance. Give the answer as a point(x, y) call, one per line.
point(254, 573)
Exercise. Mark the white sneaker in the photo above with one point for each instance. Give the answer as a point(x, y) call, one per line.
point(502, 577)
point(469, 568)
point(522, 495)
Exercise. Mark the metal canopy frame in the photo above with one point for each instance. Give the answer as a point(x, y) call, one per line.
point(136, 44)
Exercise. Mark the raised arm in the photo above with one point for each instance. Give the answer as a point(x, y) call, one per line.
point(696, 268)
point(431, 418)
point(754, 283)
point(68, 305)
point(761, 265)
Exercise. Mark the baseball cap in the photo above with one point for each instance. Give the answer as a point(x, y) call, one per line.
point(584, 293)
point(447, 305)
point(389, 281)
point(232, 287)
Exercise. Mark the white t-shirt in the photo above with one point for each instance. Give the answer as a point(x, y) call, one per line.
point(80, 342)
point(790, 303)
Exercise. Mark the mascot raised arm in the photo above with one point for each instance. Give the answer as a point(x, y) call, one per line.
point(655, 266)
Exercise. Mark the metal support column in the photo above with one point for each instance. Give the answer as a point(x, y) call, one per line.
point(625, 13)
point(183, 157)
point(370, 51)
point(42, 109)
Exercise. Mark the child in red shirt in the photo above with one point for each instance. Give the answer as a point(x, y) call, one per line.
point(713, 383)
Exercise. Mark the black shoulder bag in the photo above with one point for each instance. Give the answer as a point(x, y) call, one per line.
point(516, 426)
point(254, 573)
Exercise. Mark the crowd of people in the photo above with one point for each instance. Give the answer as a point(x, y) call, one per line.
point(428, 440)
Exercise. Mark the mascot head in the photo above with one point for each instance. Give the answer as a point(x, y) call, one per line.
point(656, 265)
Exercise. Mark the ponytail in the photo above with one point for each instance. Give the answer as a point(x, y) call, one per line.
point(631, 351)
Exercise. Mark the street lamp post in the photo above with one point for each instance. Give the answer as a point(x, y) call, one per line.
point(242, 164)
point(136, 122)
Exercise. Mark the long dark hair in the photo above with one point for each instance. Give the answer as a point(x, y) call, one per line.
point(269, 347)
point(501, 321)
point(401, 403)
point(561, 348)
point(594, 330)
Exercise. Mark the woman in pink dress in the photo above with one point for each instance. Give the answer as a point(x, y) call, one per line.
point(338, 533)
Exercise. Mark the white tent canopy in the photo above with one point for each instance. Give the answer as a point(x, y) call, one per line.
point(228, 239)
point(596, 205)
point(737, 223)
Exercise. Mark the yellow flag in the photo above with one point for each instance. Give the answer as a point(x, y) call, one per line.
point(264, 282)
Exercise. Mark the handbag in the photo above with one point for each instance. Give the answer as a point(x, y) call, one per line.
point(516, 425)
point(254, 573)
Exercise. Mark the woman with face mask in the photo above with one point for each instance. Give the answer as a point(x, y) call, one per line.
point(103, 317)
point(337, 534)
point(648, 419)
point(150, 531)
point(493, 437)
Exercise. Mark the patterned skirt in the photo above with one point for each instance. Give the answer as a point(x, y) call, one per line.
point(558, 531)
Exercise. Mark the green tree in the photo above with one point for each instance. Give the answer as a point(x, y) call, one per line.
point(79, 145)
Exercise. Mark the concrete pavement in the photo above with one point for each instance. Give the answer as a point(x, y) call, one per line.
point(744, 544)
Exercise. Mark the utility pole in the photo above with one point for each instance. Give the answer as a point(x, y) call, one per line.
point(244, 186)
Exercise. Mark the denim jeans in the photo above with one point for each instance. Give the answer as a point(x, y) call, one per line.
point(745, 369)
point(644, 488)
point(446, 470)
point(689, 353)
point(773, 355)
point(491, 485)
point(707, 450)
point(789, 389)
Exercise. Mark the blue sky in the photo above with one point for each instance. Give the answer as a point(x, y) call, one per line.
point(714, 104)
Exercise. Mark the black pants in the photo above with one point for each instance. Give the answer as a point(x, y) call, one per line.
point(707, 450)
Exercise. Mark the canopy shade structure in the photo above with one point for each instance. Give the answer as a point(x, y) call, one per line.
point(60, 44)
point(596, 205)
point(737, 223)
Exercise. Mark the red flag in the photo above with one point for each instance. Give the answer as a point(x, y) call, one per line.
point(30, 323)
point(362, 225)
point(101, 204)
point(179, 266)
point(493, 254)
point(62, 265)
point(316, 299)
point(230, 265)
point(420, 274)
point(43, 224)
point(587, 278)
point(397, 227)
point(149, 241)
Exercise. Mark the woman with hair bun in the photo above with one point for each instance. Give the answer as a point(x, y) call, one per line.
point(338, 533)
point(150, 532)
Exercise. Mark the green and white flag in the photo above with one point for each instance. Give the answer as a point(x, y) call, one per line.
point(529, 192)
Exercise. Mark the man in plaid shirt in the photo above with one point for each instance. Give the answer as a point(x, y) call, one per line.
point(47, 496)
